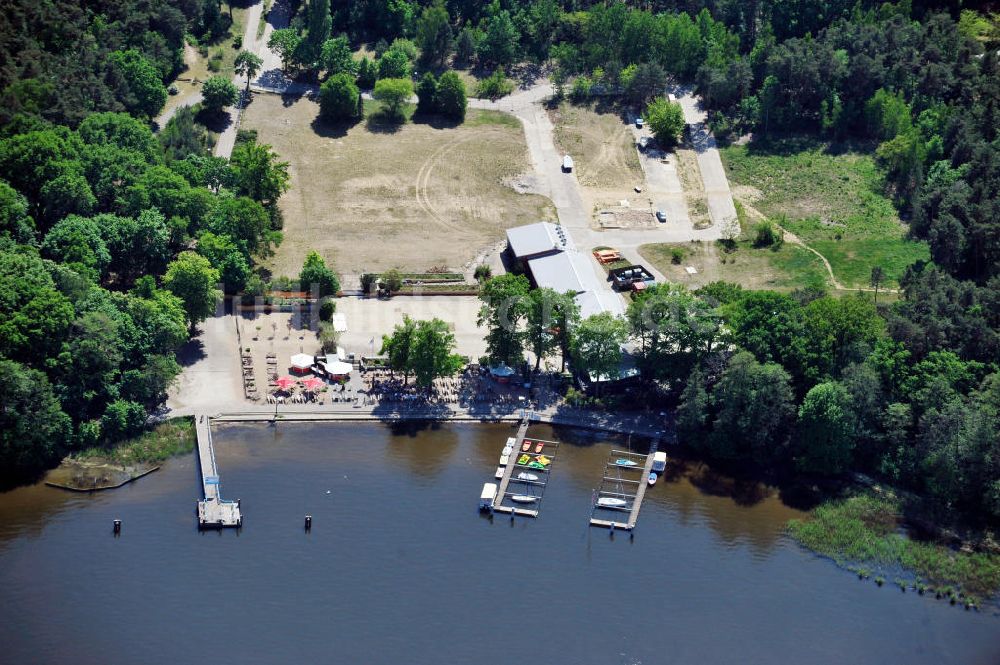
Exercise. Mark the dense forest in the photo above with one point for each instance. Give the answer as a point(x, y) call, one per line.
point(113, 238)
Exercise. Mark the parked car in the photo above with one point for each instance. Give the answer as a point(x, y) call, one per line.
point(661, 216)
point(567, 164)
point(644, 142)
point(639, 123)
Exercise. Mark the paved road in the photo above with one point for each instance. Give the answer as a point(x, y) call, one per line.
point(227, 139)
point(562, 188)
point(721, 209)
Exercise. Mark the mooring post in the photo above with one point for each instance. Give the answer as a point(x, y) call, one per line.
point(309, 522)
point(117, 527)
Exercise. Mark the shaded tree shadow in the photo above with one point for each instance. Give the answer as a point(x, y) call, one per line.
point(435, 120)
point(383, 123)
point(214, 121)
point(330, 130)
point(191, 352)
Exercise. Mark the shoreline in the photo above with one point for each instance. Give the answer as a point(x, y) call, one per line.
point(587, 420)
point(131, 478)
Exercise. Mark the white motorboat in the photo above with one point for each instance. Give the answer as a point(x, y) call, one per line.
point(523, 498)
point(652, 479)
point(611, 502)
point(526, 476)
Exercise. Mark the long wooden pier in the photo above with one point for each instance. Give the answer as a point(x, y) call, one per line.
point(214, 512)
point(639, 483)
point(513, 468)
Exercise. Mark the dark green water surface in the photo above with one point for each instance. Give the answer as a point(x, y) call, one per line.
point(400, 568)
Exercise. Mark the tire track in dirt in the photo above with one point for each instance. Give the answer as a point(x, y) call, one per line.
point(424, 175)
point(423, 180)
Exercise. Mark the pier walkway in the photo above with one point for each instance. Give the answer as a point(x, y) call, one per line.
point(614, 487)
point(527, 473)
point(214, 512)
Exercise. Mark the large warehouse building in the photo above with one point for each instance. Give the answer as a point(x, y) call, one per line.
point(548, 256)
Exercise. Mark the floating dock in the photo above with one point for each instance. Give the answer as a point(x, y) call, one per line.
point(512, 486)
point(214, 512)
point(628, 483)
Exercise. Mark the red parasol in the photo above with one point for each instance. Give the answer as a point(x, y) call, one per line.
point(285, 382)
point(312, 383)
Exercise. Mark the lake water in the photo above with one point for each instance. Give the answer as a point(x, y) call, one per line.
point(400, 568)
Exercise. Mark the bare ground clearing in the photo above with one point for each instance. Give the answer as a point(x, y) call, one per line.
point(601, 144)
point(415, 196)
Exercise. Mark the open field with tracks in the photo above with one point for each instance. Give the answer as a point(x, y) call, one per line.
point(375, 196)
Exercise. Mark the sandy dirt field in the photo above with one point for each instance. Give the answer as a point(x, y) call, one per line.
point(415, 198)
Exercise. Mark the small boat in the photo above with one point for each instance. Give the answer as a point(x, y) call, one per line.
point(526, 446)
point(527, 476)
point(611, 502)
point(539, 447)
point(523, 498)
point(508, 449)
point(652, 479)
point(524, 459)
point(624, 462)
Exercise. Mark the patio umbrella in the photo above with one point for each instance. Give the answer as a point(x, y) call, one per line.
point(285, 382)
point(302, 361)
point(502, 370)
point(312, 383)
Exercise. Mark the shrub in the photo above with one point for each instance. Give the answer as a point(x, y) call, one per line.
point(451, 100)
point(327, 309)
point(368, 280)
point(581, 88)
point(483, 272)
point(315, 273)
point(427, 93)
point(215, 62)
point(666, 119)
point(238, 42)
point(677, 255)
point(367, 73)
point(328, 336)
point(392, 281)
point(765, 234)
point(495, 85)
point(393, 93)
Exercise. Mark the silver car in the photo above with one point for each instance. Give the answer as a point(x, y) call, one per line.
point(661, 216)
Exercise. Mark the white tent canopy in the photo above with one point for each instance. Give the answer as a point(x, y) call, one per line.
point(337, 368)
point(302, 361)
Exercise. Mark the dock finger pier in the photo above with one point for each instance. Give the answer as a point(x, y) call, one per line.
point(214, 512)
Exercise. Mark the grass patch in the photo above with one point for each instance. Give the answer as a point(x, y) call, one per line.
point(451, 289)
point(173, 437)
point(789, 267)
point(865, 530)
point(830, 197)
point(852, 260)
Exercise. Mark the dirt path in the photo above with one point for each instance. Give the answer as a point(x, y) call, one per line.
point(757, 215)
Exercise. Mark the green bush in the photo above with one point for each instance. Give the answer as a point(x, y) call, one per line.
point(765, 234)
point(326, 310)
point(338, 98)
point(677, 255)
point(483, 272)
point(495, 85)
